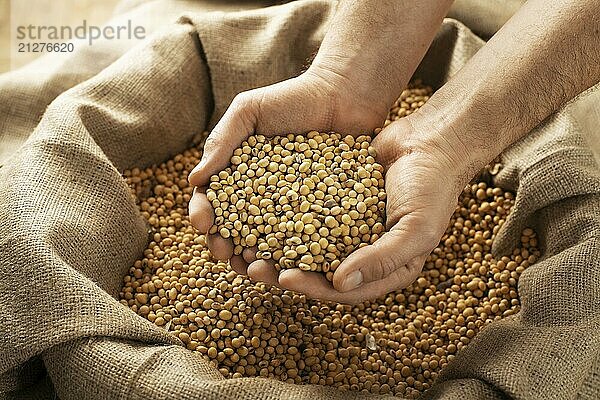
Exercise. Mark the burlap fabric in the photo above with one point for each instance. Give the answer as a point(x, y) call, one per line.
point(69, 229)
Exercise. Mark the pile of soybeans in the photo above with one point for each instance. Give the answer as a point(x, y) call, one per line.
point(397, 344)
point(304, 201)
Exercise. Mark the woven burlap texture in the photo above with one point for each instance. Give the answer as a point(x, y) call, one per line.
point(70, 230)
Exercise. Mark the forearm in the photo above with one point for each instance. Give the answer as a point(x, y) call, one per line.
point(544, 56)
point(376, 45)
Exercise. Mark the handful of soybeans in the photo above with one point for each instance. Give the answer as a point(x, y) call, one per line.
point(304, 201)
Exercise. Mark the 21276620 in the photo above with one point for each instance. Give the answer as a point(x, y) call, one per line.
point(45, 47)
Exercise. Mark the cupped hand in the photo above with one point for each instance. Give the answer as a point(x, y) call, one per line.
point(316, 100)
point(423, 181)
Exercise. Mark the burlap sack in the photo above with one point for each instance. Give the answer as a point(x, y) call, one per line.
point(69, 229)
point(27, 91)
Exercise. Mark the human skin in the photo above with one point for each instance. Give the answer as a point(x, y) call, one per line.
point(544, 56)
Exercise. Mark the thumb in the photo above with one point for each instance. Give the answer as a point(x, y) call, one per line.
point(238, 122)
point(399, 250)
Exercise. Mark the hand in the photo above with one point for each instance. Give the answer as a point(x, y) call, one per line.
point(422, 194)
point(423, 182)
point(355, 77)
point(316, 100)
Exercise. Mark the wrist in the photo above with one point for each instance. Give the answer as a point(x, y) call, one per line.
point(355, 99)
point(449, 141)
point(359, 81)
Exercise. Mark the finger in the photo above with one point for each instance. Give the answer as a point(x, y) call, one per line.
point(249, 254)
point(221, 249)
point(263, 271)
point(412, 187)
point(201, 212)
point(315, 286)
point(389, 144)
point(399, 279)
point(393, 250)
point(235, 126)
point(239, 265)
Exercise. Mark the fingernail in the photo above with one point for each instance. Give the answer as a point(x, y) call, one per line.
point(352, 281)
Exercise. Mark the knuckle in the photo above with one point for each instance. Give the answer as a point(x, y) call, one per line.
point(241, 101)
point(245, 107)
point(430, 236)
point(381, 267)
point(213, 140)
point(403, 278)
point(385, 260)
point(394, 212)
point(382, 151)
point(415, 266)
